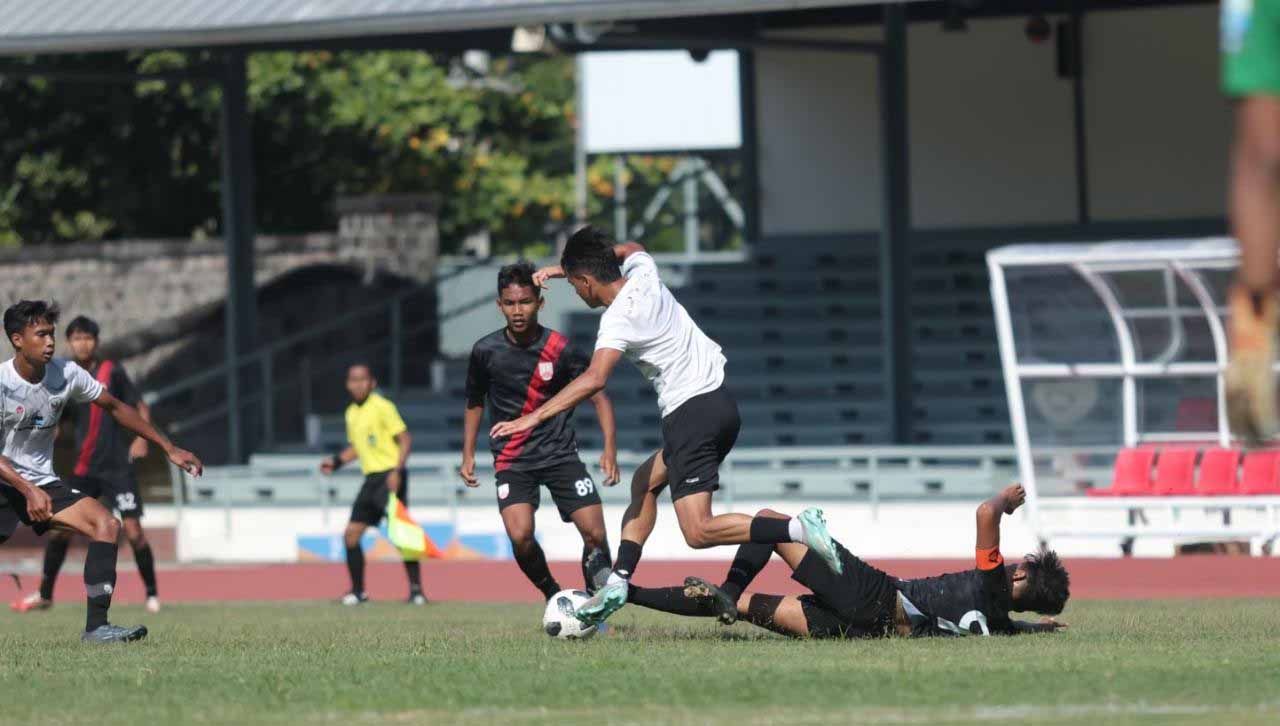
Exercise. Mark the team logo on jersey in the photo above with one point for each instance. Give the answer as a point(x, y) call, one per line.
point(55, 404)
point(20, 410)
point(503, 490)
point(546, 369)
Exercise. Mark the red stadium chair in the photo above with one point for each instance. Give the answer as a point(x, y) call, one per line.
point(1261, 473)
point(1175, 473)
point(1218, 473)
point(1132, 474)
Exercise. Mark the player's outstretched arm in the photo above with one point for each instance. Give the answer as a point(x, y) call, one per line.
point(609, 428)
point(471, 419)
point(39, 505)
point(585, 386)
point(990, 511)
point(128, 417)
point(1046, 625)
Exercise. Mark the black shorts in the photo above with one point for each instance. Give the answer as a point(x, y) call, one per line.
point(570, 485)
point(371, 503)
point(118, 491)
point(857, 604)
point(13, 507)
point(695, 439)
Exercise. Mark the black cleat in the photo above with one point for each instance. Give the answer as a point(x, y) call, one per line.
point(725, 608)
point(114, 634)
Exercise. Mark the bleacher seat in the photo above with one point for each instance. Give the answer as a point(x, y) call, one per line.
point(1261, 473)
point(1132, 475)
point(1218, 469)
point(1175, 473)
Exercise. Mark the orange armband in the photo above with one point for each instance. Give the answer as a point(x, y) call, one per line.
point(989, 559)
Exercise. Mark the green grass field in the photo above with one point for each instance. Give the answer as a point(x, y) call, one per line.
point(1157, 662)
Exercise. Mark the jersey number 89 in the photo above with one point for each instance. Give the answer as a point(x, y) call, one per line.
point(584, 487)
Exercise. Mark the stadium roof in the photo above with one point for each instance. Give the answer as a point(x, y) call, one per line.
point(52, 26)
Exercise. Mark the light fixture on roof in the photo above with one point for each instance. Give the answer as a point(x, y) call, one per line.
point(529, 39)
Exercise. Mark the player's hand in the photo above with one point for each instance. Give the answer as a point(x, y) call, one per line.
point(1014, 496)
point(186, 461)
point(326, 466)
point(511, 428)
point(393, 481)
point(1048, 623)
point(541, 277)
point(39, 505)
point(138, 449)
point(609, 465)
point(468, 471)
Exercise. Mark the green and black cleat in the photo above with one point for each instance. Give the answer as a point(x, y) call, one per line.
point(114, 634)
point(726, 609)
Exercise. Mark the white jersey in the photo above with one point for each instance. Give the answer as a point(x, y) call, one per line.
point(656, 333)
point(29, 414)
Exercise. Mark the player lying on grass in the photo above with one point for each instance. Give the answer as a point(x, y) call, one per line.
point(644, 322)
point(35, 388)
point(864, 602)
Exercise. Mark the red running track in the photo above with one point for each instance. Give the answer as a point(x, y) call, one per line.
point(500, 581)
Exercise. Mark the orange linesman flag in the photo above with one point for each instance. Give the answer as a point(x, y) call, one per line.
point(406, 535)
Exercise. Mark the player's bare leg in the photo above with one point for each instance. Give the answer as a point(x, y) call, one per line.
point(355, 563)
point(145, 560)
point(701, 529)
point(596, 560)
point(1255, 219)
point(518, 521)
point(91, 519)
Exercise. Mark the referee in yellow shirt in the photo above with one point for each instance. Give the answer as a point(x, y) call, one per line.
point(377, 437)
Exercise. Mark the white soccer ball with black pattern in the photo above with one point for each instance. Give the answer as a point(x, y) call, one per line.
point(558, 620)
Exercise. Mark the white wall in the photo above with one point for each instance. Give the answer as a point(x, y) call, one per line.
point(1158, 126)
point(991, 128)
point(818, 128)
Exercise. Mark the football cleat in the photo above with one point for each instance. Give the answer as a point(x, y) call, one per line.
point(696, 588)
point(818, 539)
point(352, 599)
point(114, 634)
point(29, 603)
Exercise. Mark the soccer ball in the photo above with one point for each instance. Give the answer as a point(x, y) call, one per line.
point(558, 619)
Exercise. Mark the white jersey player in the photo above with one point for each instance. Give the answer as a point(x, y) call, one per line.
point(35, 388)
point(644, 322)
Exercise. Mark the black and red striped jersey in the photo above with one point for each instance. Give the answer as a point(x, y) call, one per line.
point(511, 381)
point(102, 446)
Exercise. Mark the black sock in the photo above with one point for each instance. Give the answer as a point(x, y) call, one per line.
point(414, 571)
point(628, 559)
point(99, 582)
point(55, 553)
point(146, 567)
point(770, 530)
point(533, 563)
point(669, 600)
point(355, 566)
point(596, 564)
point(747, 563)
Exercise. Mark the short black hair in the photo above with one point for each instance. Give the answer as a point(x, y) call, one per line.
point(25, 313)
point(81, 324)
point(590, 251)
point(1048, 584)
point(517, 273)
point(365, 365)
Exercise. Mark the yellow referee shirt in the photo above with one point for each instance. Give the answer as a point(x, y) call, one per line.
point(371, 428)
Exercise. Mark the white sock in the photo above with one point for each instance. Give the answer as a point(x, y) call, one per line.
point(614, 578)
point(796, 530)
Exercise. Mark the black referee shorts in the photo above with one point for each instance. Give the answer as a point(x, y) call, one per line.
point(116, 490)
point(859, 603)
point(696, 437)
point(371, 503)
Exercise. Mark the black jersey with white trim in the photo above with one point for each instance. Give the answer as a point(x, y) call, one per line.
point(972, 602)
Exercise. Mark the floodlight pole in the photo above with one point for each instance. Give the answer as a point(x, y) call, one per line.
point(238, 236)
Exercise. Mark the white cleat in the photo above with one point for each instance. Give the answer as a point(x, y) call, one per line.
point(153, 604)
